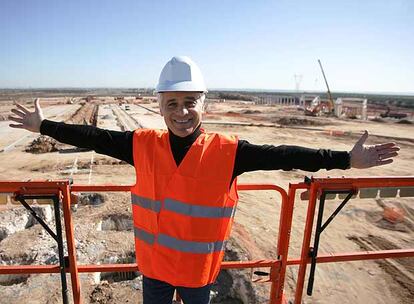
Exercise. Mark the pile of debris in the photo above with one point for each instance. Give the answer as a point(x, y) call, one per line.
point(289, 121)
point(87, 115)
point(42, 144)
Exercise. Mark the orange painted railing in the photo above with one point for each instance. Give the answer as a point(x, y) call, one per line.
point(63, 190)
point(314, 187)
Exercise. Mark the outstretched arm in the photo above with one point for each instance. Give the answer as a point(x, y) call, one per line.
point(250, 157)
point(112, 143)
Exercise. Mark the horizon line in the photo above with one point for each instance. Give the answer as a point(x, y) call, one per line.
point(217, 89)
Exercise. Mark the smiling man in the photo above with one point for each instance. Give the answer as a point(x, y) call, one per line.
point(185, 194)
point(182, 111)
point(181, 93)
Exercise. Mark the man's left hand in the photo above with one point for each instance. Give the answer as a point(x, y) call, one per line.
point(366, 156)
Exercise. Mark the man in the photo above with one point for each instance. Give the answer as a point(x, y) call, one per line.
point(185, 195)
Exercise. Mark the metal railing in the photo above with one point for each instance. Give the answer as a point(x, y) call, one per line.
point(345, 188)
point(322, 189)
point(60, 191)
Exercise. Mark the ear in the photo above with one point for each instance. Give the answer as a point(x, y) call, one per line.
point(203, 104)
point(159, 98)
point(203, 107)
point(160, 107)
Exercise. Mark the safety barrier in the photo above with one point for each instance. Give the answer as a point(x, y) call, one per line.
point(59, 193)
point(344, 188)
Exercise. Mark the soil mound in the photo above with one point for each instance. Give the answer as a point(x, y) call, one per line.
point(405, 122)
point(42, 144)
point(251, 112)
point(295, 121)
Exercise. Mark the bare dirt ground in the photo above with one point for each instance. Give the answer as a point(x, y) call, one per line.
point(102, 225)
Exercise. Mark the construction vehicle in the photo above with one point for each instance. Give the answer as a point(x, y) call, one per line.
point(390, 114)
point(329, 102)
point(319, 106)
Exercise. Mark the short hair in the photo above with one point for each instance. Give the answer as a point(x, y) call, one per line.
point(159, 97)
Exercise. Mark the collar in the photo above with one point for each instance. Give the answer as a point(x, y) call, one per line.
point(188, 140)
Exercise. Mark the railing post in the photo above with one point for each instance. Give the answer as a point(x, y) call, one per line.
point(70, 240)
point(59, 238)
point(285, 226)
point(306, 242)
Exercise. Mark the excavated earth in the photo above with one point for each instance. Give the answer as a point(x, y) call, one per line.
point(103, 224)
point(85, 115)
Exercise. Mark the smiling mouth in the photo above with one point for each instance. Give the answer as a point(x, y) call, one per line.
point(182, 121)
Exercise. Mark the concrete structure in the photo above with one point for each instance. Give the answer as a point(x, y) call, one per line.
point(351, 107)
point(278, 99)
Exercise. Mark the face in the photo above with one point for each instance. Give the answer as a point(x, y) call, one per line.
point(182, 111)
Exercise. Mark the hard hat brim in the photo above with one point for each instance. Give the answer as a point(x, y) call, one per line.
point(182, 86)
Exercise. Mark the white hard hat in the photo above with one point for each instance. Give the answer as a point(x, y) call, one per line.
point(181, 74)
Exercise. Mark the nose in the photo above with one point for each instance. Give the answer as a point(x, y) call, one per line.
point(182, 110)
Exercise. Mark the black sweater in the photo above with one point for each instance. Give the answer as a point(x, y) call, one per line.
point(249, 157)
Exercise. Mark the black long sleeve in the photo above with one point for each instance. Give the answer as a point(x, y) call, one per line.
point(249, 157)
point(116, 144)
point(252, 157)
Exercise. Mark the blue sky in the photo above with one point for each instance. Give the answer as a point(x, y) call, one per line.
point(364, 45)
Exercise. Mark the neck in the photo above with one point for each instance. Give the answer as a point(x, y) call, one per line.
point(189, 139)
point(181, 145)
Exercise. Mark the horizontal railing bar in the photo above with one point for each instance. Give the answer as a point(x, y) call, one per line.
point(331, 258)
point(28, 269)
point(115, 188)
point(100, 188)
point(32, 269)
point(359, 256)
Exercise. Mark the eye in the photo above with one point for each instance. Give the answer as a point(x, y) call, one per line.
point(171, 105)
point(191, 104)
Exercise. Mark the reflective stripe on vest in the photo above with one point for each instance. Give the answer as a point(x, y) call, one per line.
point(177, 244)
point(146, 203)
point(183, 208)
point(144, 236)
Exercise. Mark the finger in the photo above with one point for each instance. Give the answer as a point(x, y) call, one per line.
point(387, 145)
point(18, 113)
point(363, 138)
point(16, 119)
point(16, 126)
point(389, 150)
point(37, 104)
point(24, 109)
point(388, 155)
point(384, 162)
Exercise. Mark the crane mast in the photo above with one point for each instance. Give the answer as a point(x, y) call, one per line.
point(327, 86)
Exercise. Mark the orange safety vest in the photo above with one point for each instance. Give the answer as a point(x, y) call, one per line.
point(182, 215)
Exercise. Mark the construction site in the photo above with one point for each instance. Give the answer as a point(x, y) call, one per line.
point(276, 240)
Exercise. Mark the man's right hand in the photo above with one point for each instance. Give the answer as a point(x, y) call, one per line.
point(25, 119)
